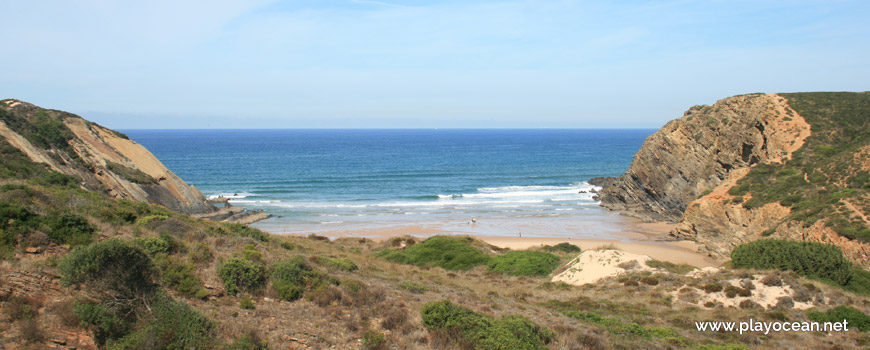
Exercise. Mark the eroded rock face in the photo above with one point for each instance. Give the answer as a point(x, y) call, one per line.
point(698, 151)
point(106, 161)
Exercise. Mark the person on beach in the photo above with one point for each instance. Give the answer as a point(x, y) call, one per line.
point(473, 221)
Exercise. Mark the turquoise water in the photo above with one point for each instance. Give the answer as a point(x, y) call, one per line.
point(355, 181)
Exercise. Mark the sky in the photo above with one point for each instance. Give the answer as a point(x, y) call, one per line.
point(164, 64)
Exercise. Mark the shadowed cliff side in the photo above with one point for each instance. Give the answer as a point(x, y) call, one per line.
point(98, 158)
point(695, 153)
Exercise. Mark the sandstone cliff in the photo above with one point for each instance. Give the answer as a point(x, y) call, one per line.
point(695, 153)
point(726, 174)
point(99, 158)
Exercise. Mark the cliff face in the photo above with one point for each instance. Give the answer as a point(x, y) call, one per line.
point(101, 159)
point(749, 167)
point(695, 153)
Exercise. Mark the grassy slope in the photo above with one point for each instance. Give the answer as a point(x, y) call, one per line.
point(823, 175)
point(378, 302)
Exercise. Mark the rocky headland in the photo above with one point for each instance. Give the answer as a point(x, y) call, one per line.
point(788, 166)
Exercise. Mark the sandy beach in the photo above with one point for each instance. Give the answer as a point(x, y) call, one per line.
point(636, 237)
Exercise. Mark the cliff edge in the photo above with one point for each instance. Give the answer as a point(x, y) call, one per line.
point(789, 166)
point(98, 158)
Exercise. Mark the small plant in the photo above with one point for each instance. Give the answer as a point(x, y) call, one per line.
point(413, 287)
point(246, 303)
point(712, 287)
point(650, 280)
point(374, 340)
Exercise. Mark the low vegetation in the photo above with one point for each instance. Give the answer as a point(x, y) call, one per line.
point(449, 253)
point(524, 263)
point(822, 176)
point(815, 260)
point(452, 324)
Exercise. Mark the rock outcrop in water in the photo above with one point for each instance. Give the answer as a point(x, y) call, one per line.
point(683, 173)
point(99, 158)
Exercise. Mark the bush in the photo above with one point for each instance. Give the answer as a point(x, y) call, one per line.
point(109, 266)
point(374, 340)
point(446, 252)
point(563, 247)
point(524, 263)
point(240, 275)
point(250, 341)
point(71, 229)
point(245, 231)
point(483, 332)
point(172, 325)
point(153, 245)
point(712, 287)
point(246, 303)
point(103, 323)
point(809, 259)
point(856, 318)
point(292, 277)
point(180, 277)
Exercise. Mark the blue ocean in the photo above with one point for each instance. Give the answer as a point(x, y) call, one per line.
point(508, 182)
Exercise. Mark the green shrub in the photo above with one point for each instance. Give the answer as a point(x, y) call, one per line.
point(246, 303)
point(53, 178)
point(180, 277)
point(71, 229)
point(563, 247)
point(15, 220)
point(373, 340)
point(446, 252)
point(855, 317)
point(152, 245)
point(524, 263)
point(484, 332)
point(245, 231)
point(171, 325)
point(240, 275)
point(103, 323)
point(292, 277)
point(109, 266)
point(809, 259)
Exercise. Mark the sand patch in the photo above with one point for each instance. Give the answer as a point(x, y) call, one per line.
point(594, 265)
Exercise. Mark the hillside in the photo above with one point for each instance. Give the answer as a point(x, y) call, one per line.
point(82, 269)
point(97, 158)
point(791, 166)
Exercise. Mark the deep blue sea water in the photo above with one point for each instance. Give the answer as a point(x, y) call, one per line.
point(315, 181)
